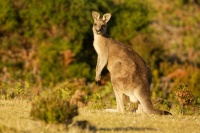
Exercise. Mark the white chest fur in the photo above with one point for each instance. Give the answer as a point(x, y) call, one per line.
point(96, 44)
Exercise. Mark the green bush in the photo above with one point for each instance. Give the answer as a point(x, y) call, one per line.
point(52, 109)
point(102, 97)
point(16, 90)
point(35, 33)
point(8, 17)
point(129, 18)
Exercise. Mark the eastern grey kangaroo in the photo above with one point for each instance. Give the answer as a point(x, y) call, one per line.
point(130, 75)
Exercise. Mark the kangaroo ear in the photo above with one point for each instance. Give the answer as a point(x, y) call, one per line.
point(95, 15)
point(106, 17)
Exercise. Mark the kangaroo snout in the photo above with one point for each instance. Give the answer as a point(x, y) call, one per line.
point(98, 31)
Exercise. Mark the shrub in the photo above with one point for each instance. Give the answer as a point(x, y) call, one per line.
point(102, 97)
point(52, 109)
point(35, 33)
point(129, 18)
point(162, 104)
point(8, 18)
point(17, 90)
point(184, 96)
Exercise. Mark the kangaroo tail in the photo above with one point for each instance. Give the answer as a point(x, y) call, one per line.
point(165, 112)
point(159, 112)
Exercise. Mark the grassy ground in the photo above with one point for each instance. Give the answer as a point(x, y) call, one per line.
point(14, 117)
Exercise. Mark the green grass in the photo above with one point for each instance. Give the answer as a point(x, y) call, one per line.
point(15, 117)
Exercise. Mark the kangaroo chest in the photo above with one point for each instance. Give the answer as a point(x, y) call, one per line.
point(96, 46)
point(100, 45)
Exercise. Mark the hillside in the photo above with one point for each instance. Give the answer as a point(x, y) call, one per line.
point(48, 43)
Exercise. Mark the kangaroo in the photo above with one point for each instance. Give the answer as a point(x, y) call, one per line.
point(130, 75)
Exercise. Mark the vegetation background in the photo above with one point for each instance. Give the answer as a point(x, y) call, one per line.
point(47, 45)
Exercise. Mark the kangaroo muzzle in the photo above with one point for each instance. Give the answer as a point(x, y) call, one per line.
point(98, 31)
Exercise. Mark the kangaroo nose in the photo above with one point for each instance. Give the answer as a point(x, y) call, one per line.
point(98, 31)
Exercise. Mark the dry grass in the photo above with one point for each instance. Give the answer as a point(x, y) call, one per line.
point(14, 117)
point(131, 122)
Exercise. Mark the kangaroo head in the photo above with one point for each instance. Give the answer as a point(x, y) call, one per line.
point(100, 24)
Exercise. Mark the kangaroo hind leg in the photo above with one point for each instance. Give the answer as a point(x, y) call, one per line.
point(144, 101)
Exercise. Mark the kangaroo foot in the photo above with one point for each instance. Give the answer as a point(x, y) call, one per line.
point(111, 110)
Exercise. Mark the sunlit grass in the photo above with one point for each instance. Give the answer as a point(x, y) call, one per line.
point(15, 117)
point(131, 122)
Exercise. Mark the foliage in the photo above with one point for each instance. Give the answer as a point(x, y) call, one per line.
point(52, 109)
point(102, 97)
point(37, 34)
point(186, 74)
point(45, 43)
point(154, 54)
point(17, 90)
point(137, 16)
point(8, 18)
point(184, 96)
point(162, 104)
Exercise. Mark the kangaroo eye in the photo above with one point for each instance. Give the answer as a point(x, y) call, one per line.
point(95, 24)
